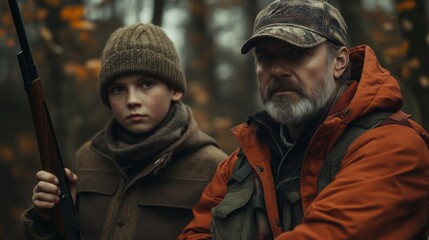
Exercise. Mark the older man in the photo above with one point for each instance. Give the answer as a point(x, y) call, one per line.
point(332, 156)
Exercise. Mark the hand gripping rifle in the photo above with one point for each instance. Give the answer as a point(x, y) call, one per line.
point(64, 213)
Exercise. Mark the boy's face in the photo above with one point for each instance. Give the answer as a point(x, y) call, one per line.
point(140, 103)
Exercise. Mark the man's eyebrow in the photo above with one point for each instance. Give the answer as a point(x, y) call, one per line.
point(260, 49)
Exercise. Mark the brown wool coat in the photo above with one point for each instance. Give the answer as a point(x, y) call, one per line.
point(155, 204)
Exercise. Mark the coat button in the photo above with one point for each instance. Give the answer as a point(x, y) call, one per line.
point(120, 223)
point(259, 169)
point(346, 112)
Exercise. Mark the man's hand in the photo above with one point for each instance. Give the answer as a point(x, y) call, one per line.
point(46, 192)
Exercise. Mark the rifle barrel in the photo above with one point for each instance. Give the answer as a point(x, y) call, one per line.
point(64, 213)
point(23, 42)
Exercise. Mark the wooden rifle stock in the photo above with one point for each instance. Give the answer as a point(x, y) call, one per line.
point(64, 213)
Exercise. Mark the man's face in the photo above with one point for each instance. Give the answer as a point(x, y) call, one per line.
point(295, 83)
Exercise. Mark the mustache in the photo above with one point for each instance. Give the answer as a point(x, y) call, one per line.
point(278, 85)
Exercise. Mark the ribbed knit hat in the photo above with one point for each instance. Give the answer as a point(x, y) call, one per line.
point(140, 49)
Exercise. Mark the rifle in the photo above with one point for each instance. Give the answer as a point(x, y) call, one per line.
point(64, 213)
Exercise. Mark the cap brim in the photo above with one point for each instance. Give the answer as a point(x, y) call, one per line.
point(294, 35)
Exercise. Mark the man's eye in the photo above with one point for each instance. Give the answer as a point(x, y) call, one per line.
point(265, 57)
point(298, 52)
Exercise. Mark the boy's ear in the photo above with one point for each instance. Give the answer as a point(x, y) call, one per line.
point(341, 62)
point(176, 96)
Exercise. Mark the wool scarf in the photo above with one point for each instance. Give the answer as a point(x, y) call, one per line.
point(135, 151)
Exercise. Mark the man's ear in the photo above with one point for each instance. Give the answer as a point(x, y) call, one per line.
point(176, 96)
point(341, 62)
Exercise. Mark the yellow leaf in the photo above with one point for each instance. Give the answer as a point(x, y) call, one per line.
point(93, 66)
point(424, 81)
point(76, 70)
point(46, 34)
point(81, 25)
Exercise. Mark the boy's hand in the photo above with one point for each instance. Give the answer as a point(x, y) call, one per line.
point(46, 192)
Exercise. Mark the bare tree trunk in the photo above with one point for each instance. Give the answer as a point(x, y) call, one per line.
point(352, 12)
point(158, 12)
point(53, 76)
point(202, 88)
point(246, 86)
point(415, 71)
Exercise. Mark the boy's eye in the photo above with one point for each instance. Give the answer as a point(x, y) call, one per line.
point(147, 84)
point(116, 89)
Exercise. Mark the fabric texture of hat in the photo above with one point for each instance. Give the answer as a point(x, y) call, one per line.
point(140, 49)
point(302, 23)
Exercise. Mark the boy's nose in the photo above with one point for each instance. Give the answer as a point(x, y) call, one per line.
point(133, 98)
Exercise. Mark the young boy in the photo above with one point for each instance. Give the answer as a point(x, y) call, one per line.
point(141, 175)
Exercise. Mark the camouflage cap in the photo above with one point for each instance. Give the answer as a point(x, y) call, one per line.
point(303, 23)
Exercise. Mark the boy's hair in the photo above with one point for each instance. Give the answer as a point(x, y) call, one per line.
point(140, 49)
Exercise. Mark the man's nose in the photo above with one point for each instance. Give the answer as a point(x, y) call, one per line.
point(281, 68)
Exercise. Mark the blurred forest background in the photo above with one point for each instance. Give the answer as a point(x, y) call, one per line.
point(67, 37)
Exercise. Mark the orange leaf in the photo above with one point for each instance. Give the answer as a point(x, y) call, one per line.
point(53, 3)
point(70, 13)
point(10, 42)
point(397, 51)
point(411, 64)
point(76, 70)
point(18, 171)
point(7, 154)
point(424, 81)
point(2, 32)
point(199, 94)
point(6, 19)
point(406, 5)
point(41, 14)
point(26, 144)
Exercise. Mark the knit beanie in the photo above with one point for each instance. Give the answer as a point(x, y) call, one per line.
point(140, 49)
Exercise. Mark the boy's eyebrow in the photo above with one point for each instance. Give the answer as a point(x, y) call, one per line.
point(114, 83)
point(141, 77)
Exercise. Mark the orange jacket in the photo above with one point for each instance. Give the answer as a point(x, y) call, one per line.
point(382, 189)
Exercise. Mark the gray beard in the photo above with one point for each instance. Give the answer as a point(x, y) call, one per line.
point(282, 110)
